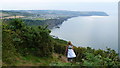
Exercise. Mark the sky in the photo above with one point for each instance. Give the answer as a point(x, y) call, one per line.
point(48, 4)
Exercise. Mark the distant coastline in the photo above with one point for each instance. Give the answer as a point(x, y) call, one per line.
point(52, 18)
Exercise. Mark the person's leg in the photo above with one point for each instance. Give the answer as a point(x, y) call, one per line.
point(69, 59)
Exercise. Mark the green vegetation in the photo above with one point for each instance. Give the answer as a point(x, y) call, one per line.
point(14, 13)
point(33, 22)
point(33, 46)
point(39, 19)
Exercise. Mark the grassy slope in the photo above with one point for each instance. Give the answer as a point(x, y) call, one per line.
point(56, 60)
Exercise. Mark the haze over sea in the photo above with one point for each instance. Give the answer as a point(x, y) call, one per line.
point(97, 32)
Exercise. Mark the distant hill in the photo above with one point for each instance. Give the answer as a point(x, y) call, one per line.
point(51, 18)
point(48, 14)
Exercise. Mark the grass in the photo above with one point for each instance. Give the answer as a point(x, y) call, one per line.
point(29, 60)
point(33, 61)
point(39, 19)
point(41, 61)
point(63, 64)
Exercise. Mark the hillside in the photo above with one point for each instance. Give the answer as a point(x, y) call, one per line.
point(33, 46)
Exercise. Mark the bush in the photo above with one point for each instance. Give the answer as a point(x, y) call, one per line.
point(9, 53)
point(59, 46)
point(26, 40)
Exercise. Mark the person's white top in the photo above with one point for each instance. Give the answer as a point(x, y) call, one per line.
point(71, 53)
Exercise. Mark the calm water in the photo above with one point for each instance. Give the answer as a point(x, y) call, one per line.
point(96, 32)
point(93, 31)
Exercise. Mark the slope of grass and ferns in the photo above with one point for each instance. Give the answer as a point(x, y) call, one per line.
point(33, 46)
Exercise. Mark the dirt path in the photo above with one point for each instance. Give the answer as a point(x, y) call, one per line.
point(61, 57)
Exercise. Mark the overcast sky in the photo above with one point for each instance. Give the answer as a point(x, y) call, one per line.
point(46, 4)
